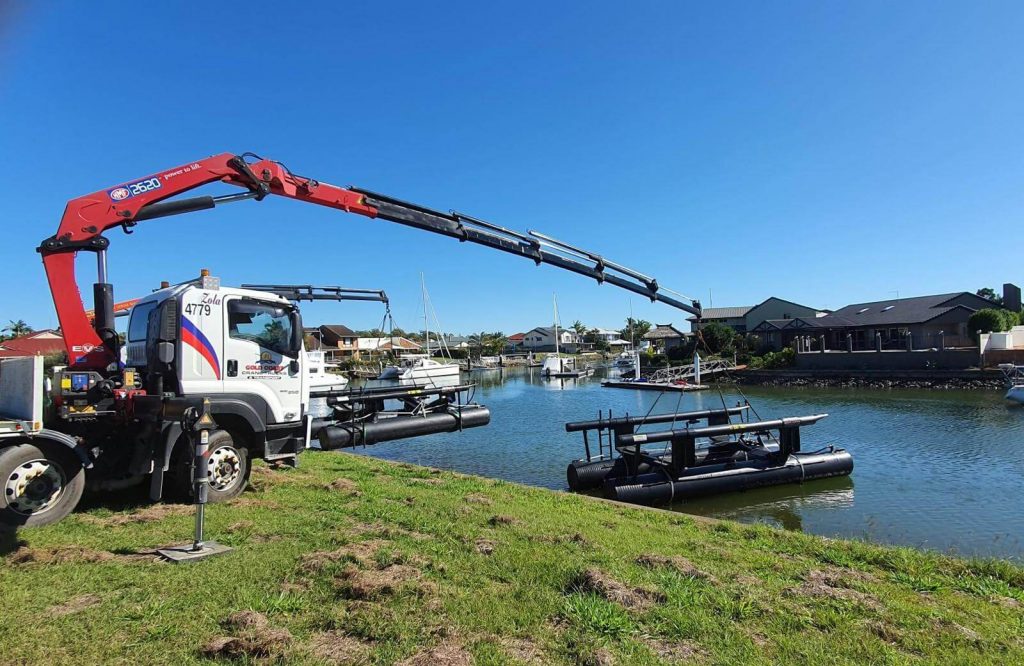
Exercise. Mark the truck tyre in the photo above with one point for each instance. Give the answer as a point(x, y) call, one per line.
point(228, 464)
point(41, 483)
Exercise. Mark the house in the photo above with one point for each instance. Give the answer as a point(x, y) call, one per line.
point(611, 337)
point(37, 343)
point(744, 319)
point(734, 318)
point(383, 345)
point(455, 341)
point(664, 337)
point(938, 320)
point(542, 339)
point(336, 338)
point(515, 341)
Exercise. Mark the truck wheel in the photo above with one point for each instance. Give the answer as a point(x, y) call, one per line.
point(41, 483)
point(228, 464)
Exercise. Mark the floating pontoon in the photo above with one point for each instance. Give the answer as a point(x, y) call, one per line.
point(709, 453)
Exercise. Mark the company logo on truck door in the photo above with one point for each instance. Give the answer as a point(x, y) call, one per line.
point(194, 338)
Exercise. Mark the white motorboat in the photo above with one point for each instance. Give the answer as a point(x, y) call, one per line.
point(421, 366)
point(320, 377)
point(1015, 380)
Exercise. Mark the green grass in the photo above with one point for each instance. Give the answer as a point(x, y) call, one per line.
point(745, 594)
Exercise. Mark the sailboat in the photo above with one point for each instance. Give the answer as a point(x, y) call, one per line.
point(557, 365)
point(422, 366)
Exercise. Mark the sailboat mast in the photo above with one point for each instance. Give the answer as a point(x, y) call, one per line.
point(554, 299)
point(426, 320)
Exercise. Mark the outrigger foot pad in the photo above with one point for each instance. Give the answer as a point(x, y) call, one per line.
point(189, 553)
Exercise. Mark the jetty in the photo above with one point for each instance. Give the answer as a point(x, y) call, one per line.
point(676, 378)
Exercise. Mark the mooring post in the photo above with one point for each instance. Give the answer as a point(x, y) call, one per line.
point(942, 341)
point(849, 342)
point(878, 341)
point(821, 339)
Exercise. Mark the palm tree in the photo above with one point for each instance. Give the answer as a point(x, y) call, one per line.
point(478, 341)
point(496, 343)
point(579, 327)
point(17, 328)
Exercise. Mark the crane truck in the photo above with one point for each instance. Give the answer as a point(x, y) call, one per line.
point(117, 418)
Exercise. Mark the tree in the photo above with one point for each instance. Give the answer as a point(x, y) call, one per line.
point(988, 320)
point(635, 329)
point(579, 327)
point(718, 338)
point(990, 294)
point(16, 329)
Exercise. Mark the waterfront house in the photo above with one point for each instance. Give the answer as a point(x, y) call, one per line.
point(746, 318)
point(664, 337)
point(611, 337)
point(916, 322)
point(542, 339)
point(515, 341)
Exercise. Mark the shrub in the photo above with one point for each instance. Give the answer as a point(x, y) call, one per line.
point(988, 320)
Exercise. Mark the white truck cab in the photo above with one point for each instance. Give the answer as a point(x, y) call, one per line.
point(232, 345)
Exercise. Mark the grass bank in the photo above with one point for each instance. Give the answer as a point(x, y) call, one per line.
point(355, 560)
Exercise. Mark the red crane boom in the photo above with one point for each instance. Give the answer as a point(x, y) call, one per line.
point(92, 344)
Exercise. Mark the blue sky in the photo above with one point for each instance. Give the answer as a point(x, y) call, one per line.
point(823, 152)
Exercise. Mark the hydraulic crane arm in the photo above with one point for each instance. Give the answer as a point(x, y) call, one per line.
point(92, 346)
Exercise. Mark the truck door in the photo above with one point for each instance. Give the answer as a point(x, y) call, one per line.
point(260, 362)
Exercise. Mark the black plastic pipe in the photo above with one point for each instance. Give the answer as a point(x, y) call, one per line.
point(401, 427)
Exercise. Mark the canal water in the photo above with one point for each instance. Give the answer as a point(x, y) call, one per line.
point(933, 469)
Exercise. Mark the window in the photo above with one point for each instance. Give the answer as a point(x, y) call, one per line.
point(887, 308)
point(140, 321)
point(863, 310)
point(268, 325)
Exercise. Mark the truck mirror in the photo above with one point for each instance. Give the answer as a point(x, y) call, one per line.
point(295, 344)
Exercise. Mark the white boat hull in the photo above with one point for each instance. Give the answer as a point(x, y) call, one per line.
point(1016, 394)
point(431, 372)
point(390, 372)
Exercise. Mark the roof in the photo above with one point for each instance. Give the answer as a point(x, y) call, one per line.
point(707, 314)
point(550, 330)
point(43, 342)
point(337, 330)
point(913, 310)
point(516, 337)
point(662, 331)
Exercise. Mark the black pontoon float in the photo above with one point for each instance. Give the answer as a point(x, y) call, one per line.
point(706, 455)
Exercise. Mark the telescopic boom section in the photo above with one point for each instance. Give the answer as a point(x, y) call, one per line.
point(92, 345)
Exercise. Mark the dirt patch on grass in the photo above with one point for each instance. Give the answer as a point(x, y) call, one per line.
point(335, 647)
point(390, 532)
point(601, 657)
point(484, 546)
point(523, 649)
point(600, 583)
point(375, 583)
point(255, 638)
point(60, 555)
point(676, 652)
point(148, 514)
point(1006, 602)
point(502, 521)
point(74, 605)
point(360, 553)
point(675, 563)
point(449, 653)
point(833, 584)
point(479, 499)
point(427, 482)
point(344, 486)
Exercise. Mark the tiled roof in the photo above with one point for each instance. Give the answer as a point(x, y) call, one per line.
point(33, 344)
